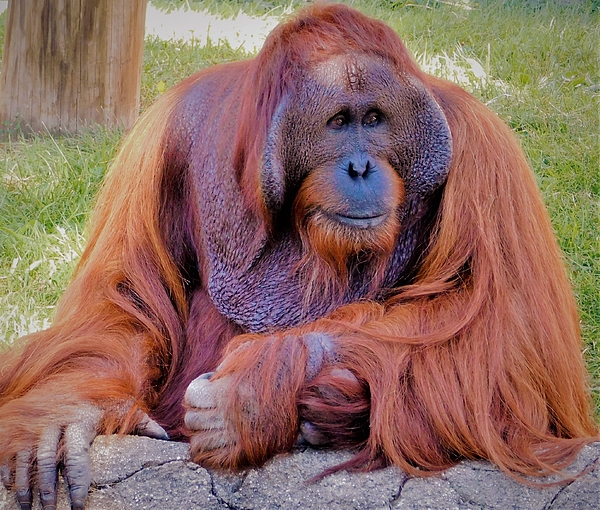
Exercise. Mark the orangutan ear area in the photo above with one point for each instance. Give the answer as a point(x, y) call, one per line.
point(366, 263)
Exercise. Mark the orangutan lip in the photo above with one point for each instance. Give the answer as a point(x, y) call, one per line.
point(361, 222)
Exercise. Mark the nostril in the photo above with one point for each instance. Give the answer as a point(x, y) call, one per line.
point(355, 171)
point(352, 171)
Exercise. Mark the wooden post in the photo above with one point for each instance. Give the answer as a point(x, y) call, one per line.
point(70, 64)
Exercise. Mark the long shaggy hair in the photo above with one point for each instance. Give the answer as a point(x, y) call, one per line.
point(479, 357)
point(333, 254)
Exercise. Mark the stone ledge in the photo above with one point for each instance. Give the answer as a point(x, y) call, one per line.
point(145, 474)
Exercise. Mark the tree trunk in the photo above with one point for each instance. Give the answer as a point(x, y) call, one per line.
point(70, 64)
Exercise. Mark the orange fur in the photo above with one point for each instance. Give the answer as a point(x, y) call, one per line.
point(328, 247)
point(478, 356)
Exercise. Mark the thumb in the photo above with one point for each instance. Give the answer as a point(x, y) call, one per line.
point(146, 426)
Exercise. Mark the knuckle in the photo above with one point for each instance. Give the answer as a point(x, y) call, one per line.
point(46, 457)
point(199, 393)
point(193, 420)
point(320, 348)
point(311, 434)
point(76, 458)
point(206, 394)
point(204, 420)
point(47, 497)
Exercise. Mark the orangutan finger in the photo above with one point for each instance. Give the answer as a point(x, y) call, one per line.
point(310, 435)
point(6, 476)
point(47, 454)
point(78, 438)
point(146, 426)
point(202, 393)
point(320, 350)
point(206, 419)
point(208, 440)
point(23, 479)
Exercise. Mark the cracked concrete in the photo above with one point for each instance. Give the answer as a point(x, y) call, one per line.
point(146, 474)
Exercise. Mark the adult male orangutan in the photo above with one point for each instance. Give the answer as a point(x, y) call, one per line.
point(323, 243)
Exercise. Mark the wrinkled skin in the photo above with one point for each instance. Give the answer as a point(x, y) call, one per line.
point(351, 165)
point(357, 153)
point(319, 245)
point(68, 446)
point(355, 116)
point(362, 185)
point(206, 399)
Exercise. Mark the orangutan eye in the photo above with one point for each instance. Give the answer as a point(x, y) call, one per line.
point(337, 121)
point(371, 119)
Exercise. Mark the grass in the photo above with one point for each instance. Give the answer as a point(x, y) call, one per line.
point(534, 62)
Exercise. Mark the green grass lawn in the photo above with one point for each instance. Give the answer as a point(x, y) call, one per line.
point(533, 62)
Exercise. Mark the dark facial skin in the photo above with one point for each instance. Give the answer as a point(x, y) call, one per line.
point(366, 147)
point(352, 157)
point(350, 126)
point(359, 179)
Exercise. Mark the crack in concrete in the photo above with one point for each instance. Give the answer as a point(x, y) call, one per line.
point(238, 491)
point(146, 465)
point(560, 491)
point(213, 491)
point(586, 470)
point(400, 489)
